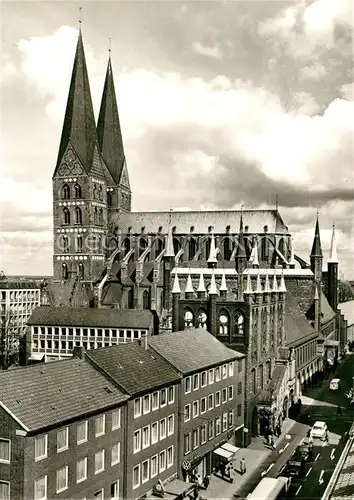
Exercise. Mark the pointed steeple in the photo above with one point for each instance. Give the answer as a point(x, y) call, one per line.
point(333, 258)
point(189, 286)
point(212, 289)
point(259, 284)
point(241, 251)
point(282, 287)
point(109, 130)
point(254, 254)
point(275, 282)
point(249, 284)
point(176, 288)
point(223, 286)
point(316, 246)
point(212, 254)
point(79, 126)
point(201, 287)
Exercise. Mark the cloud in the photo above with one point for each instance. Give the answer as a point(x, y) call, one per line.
point(208, 51)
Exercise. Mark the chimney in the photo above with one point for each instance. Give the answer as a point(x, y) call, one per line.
point(79, 352)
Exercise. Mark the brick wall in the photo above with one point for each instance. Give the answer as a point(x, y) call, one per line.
point(14, 471)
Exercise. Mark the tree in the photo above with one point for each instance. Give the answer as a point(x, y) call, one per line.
point(345, 291)
point(9, 340)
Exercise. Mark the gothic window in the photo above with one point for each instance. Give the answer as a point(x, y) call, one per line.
point(94, 191)
point(192, 248)
point(224, 323)
point(77, 191)
point(100, 192)
point(188, 319)
point(79, 243)
point(202, 319)
point(109, 199)
point(158, 247)
point(264, 248)
point(227, 249)
point(100, 217)
point(64, 271)
point(126, 246)
point(269, 370)
point(66, 216)
point(239, 324)
point(65, 244)
point(95, 216)
point(253, 380)
point(99, 244)
point(81, 271)
point(146, 299)
point(176, 246)
point(248, 248)
point(78, 215)
point(130, 298)
point(261, 377)
point(207, 247)
point(142, 246)
point(66, 192)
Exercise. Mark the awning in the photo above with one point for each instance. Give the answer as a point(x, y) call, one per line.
point(230, 447)
point(36, 356)
point(223, 453)
point(331, 343)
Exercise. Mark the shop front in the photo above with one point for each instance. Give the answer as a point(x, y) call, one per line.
point(223, 456)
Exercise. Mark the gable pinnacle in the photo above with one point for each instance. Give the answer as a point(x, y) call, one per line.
point(201, 286)
point(266, 284)
point(169, 251)
point(223, 286)
point(282, 287)
point(316, 246)
point(212, 289)
point(249, 283)
point(275, 282)
point(333, 258)
point(212, 253)
point(176, 288)
point(189, 286)
point(241, 251)
point(254, 253)
point(259, 284)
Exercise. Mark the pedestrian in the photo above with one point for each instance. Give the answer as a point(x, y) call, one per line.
point(232, 473)
point(242, 466)
point(278, 429)
point(222, 469)
point(339, 410)
point(326, 437)
point(206, 481)
point(271, 443)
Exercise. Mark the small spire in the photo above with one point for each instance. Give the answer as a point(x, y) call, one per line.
point(169, 243)
point(316, 293)
point(259, 284)
point(333, 258)
point(266, 285)
point(212, 254)
point(249, 283)
point(292, 253)
point(212, 289)
point(223, 286)
point(316, 246)
point(241, 251)
point(176, 288)
point(201, 286)
point(189, 286)
point(282, 287)
point(275, 282)
point(254, 253)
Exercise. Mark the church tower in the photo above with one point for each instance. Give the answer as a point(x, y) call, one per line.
point(316, 256)
point(79, 186)
point(111, 146)
point(332, 266)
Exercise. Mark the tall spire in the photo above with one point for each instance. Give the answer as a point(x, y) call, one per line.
point(333, 258)
point(108, 127)
point(79, 122)
point(169, 243)
point(223, 286)
point(212, 288)
point(316, 246)
point(176, 288)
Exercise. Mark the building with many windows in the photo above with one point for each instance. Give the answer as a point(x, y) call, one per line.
point(61, 433)
point(53, 332)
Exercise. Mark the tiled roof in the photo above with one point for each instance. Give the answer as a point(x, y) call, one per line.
point(49, 394)
point(201, 221)
point(327, 311)
point(266, 396)
point(192, 350)
point(296, 325)
point(19, 284)
point(347, 309)
point(133, 367)
point(91, 317)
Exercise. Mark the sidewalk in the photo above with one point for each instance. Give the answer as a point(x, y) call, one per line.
point(254, 455)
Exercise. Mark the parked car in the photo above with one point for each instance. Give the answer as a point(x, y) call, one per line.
point(295, 465)
point(334, 384)
point(319, 430)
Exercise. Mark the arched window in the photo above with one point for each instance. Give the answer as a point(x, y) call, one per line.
point(188, 319)
point(130, 298)
point(109, 199)
point(81, 271)
point(281, 247)
point(146, 299)
point(248, 248)
point(99, 244)
point(158, 247)
point(207, 247)
point(142, 246)
point(65, 244)
point(176, 246)
point(65, 192)
point(202, 319)
point(77, 191)
point(100, 217)
point(95, 217)
point(239, 324)
point(264, 248)
point(224, 323)
point(253, 380)
point(64, 271)
point(66, 216)
point(78, 215)
point(94, 192)
point(227, 249)
point(100, 192)
point(79, 243)
point(261, 377)
point(126, 246)
point(192, 248)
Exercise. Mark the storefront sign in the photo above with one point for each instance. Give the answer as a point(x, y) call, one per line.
point(186, 465)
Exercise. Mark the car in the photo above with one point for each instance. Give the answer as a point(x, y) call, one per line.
point(334, 384)
point(319, 430)
point(295, 465)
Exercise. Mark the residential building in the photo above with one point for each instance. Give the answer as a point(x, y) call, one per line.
point(61, 433)
point(346, 323)
point(211, 396)
point(53, 332)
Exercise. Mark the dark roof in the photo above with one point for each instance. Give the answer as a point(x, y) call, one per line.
point(91, 317)
point(49, 394)
point(108, 128)
point(297, 327)
point(316, 246)
point(326, 309)
point(192, 350)
point(266, 396)
point(79, 122)
point(133, 367)
point(18, 284)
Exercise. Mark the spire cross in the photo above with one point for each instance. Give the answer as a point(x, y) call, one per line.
point(170, 216)
point(109, 45)
point(276, 201)
point(80, 21)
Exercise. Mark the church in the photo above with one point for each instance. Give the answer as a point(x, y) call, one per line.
point(233, 272)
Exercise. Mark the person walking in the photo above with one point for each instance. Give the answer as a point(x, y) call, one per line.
point(206, 481)
point(232, 473)
point(326, 437)
point(242, 466)
point(271, 442)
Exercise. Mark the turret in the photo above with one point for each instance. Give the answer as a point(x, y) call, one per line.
point(213, 293)
point(168, 263)
point(176, 294)
point(223, 286)
point(201, 290)
point(332, 267)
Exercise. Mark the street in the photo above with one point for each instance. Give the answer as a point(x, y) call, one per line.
point(319, 403)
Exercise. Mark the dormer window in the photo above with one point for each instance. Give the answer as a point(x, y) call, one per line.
point(66, 192)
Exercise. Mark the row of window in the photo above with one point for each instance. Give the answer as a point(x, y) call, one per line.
point(68, 346)
point(305, 353)
point(94, 243)
point(85, 332)
point(150, 435)
point(21, 295)
point(97, 192)
point(207, 403)
point(206, 432)
point(224, 321)
point(154, 401)
point(77, 216)
point(209, 377)
point(150, 468)
point(41, 442)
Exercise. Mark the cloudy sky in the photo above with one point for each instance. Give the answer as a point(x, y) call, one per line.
point(221, 103)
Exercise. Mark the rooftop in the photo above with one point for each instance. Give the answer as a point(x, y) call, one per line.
point(347, 309)
point(296, 325)
point(133, 367)
point(49, 394)
point(91, 317)
point(192, 350)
